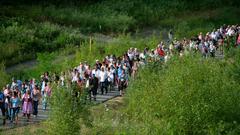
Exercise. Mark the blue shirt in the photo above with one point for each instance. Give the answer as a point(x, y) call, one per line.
point(2, 96)
point(119, 72)
point(19, 84)
point(15, 102)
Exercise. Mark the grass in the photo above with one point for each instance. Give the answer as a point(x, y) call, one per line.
point(184, 98)
point(20, 42)
point(28, 29)
point(27, 130)
point(4, 77)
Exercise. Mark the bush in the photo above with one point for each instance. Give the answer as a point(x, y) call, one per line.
point(68, 113)
point(4, 78)
point(20, 42)
point(188, 96)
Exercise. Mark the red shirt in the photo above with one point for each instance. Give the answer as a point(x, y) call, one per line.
point(161, 52)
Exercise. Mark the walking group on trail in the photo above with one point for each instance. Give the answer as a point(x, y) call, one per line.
point(109, 73)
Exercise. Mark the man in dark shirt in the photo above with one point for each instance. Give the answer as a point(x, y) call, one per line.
point(94, 86)
point(2, 106)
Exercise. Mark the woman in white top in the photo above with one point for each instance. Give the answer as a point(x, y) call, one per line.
point(110, 78)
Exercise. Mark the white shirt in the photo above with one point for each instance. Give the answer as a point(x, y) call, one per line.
point(212, 48)
point(142, 56)
point(62, 80)
point(213, 35)
point(87, 83)
point(102, 76)
point(43, 86)
point(230, 32)
point(166, 58)
point(191, 44)
point(13, 85)
point(75, 78)
point(97, 73)
point(130, 55)
point(110, 76)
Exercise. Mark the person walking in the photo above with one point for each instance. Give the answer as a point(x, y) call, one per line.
point(14, 107)
point(2, 106)
point(87, 90)
point(110, 79)
point(134, 69)
point(212, 50)
point(27, 104)
point(238, 40)
point(170, 35)
point(44, 101)
point(161, 53)
point(36, 97)
point(43, 85)
point(103, 78)
point(7, 96)
point(123, 82)
point(94, 86)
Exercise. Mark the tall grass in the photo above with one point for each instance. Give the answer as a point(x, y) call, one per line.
point(68, 113)
point(117, 16)
point(27, 30)
point(20, 42)
point(4, 77)
point(188, 96)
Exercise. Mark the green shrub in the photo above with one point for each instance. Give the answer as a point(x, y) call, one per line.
point(4, 78)
point(68, 113)
point(21, 42)
point(188, 96)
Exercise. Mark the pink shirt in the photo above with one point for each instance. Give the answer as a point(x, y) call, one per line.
point(48, 90)
point(238, 40)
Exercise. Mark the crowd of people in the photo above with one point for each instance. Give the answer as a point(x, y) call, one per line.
point(110, 73)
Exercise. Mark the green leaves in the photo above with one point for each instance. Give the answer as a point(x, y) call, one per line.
point(68, 113)
point(190, 95)
point(4, 78)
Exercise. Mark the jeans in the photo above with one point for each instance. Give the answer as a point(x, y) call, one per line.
point(7, 111)
point(103, 85)
point(35, 107)
point(42, 92)
point(44, 105)
point(14, 112)
point(3, 111)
